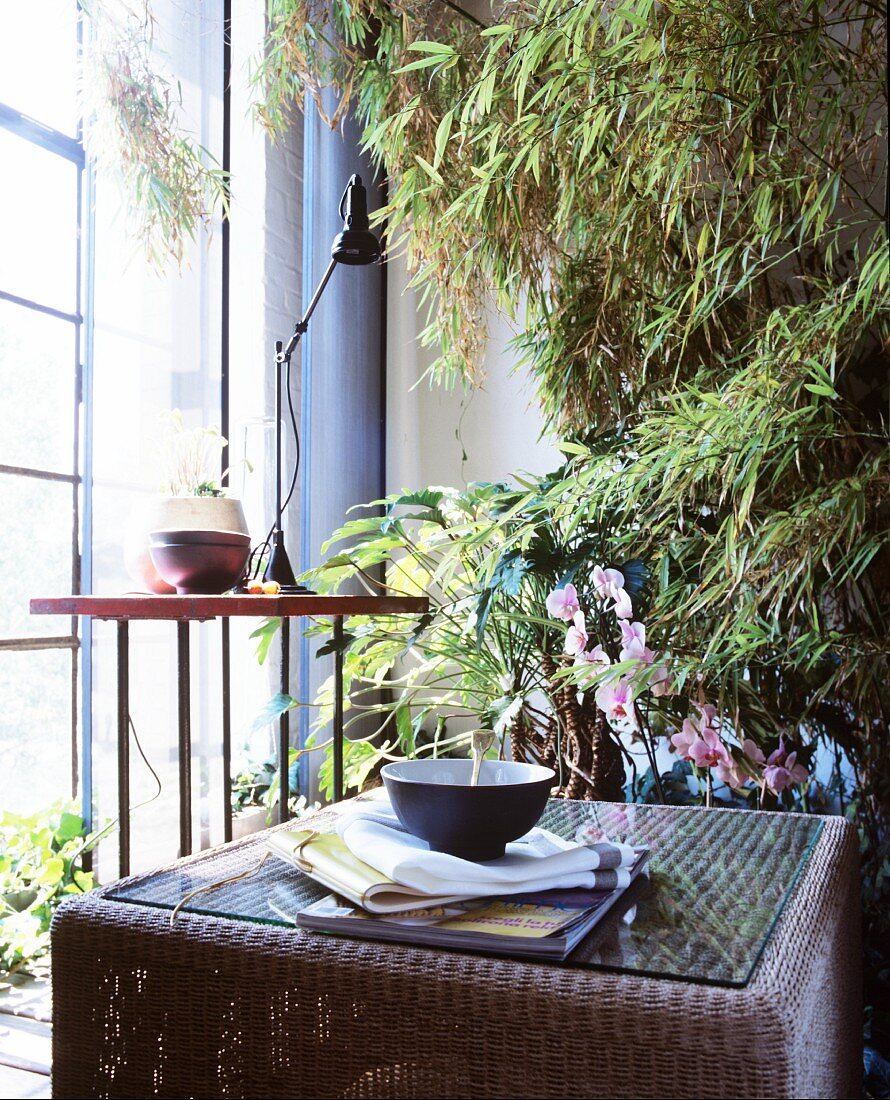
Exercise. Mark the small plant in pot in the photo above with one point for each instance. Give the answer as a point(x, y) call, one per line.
point(191, 499)
point(255, 794)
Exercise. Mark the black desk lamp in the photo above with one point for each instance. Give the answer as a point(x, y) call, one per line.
point(355, 246)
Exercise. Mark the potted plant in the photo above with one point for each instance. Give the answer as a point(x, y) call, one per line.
point(254, 795)
point(190, 498)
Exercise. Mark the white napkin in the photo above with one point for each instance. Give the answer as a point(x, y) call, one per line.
point(537, 861)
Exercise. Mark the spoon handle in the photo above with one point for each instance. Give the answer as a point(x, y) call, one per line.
point(482, 740)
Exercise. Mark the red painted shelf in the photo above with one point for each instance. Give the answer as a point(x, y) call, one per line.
point(213, 607)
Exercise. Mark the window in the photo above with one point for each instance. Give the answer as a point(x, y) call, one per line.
point(43, 299)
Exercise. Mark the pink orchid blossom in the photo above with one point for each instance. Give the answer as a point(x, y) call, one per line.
point(707, 713)
point(608, 584)
point(615, 699)
point(637, 652)
point(576, 635)
point(708, 751)
point(684, 739)
point(595, 656)
point(633, 635)
point(734, 774)
point(782, 769)
point(698, 741)
point(622, 606)
point(660, 681)
point(752, 750)
point(606, 581)
point(563, 603)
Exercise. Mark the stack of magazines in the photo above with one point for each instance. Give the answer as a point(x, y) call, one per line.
point(538, 901)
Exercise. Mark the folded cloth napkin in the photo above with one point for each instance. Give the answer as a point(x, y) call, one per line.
point(537, 861)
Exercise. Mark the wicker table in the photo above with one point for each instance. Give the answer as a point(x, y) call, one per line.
point(739, 977)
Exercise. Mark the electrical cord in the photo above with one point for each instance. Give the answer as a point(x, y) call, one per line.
point(255, 561)
point(92, 841)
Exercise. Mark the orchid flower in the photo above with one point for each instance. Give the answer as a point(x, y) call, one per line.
point(732, 773)
point(698, 741)
point(660, 681)
point(595, 656)
point(562, 603)
point(606, 581)
point(615, 700)
point(707, 713)
point(635, 649)
point(622, 606)
point(576, 635)
point(782, 769)
point(684, 739)
point(709, 751)
point(608, 584)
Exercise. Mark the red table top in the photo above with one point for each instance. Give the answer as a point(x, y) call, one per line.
point(211, 607)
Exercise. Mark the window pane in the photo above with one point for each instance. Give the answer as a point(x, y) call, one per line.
point(38, 55)
point(35, 728)
point(38, 224)
point(35, 553)
point(36, 390)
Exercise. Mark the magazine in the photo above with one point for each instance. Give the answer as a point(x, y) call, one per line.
point(546, 925)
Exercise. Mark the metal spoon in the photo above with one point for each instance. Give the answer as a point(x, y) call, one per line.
point(482, 740)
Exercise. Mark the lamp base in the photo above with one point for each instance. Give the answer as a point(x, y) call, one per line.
point(279, 569)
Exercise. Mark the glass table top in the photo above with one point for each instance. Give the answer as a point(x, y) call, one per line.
point(718, 881)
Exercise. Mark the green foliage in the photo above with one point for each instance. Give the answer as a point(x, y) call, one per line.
point(265, 634)
point(170, 185)
point(682, 204)
point(190, 457)
point(256, 783)
point(40, 865)
point(487, 650)
point(662, 182)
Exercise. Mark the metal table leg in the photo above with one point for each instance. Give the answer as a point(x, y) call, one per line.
point(123, 746)
point(284, 728)
point(226, 729)
point(185, 739)
point(338, 708)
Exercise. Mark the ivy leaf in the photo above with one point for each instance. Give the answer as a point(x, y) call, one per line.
point(273, 710)
point(423, 624)
point(70, 826)
point(265, 632)
point(332, 646)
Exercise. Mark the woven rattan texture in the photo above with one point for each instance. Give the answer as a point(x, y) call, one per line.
point(220, 1008)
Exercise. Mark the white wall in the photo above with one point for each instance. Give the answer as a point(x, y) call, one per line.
point(452, 437)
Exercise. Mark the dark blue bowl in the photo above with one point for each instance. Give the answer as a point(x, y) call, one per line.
point(434, 800)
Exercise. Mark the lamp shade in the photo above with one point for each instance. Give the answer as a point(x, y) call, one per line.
point(356, 245)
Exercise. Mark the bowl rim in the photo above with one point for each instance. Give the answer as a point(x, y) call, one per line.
point(200, 535)
point(546, 774)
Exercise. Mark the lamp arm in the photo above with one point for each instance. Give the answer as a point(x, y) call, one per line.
point(300, 327)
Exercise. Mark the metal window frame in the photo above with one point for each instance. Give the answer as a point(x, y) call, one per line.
point(70, 149)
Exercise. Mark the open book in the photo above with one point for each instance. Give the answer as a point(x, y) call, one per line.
point(325, 858)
